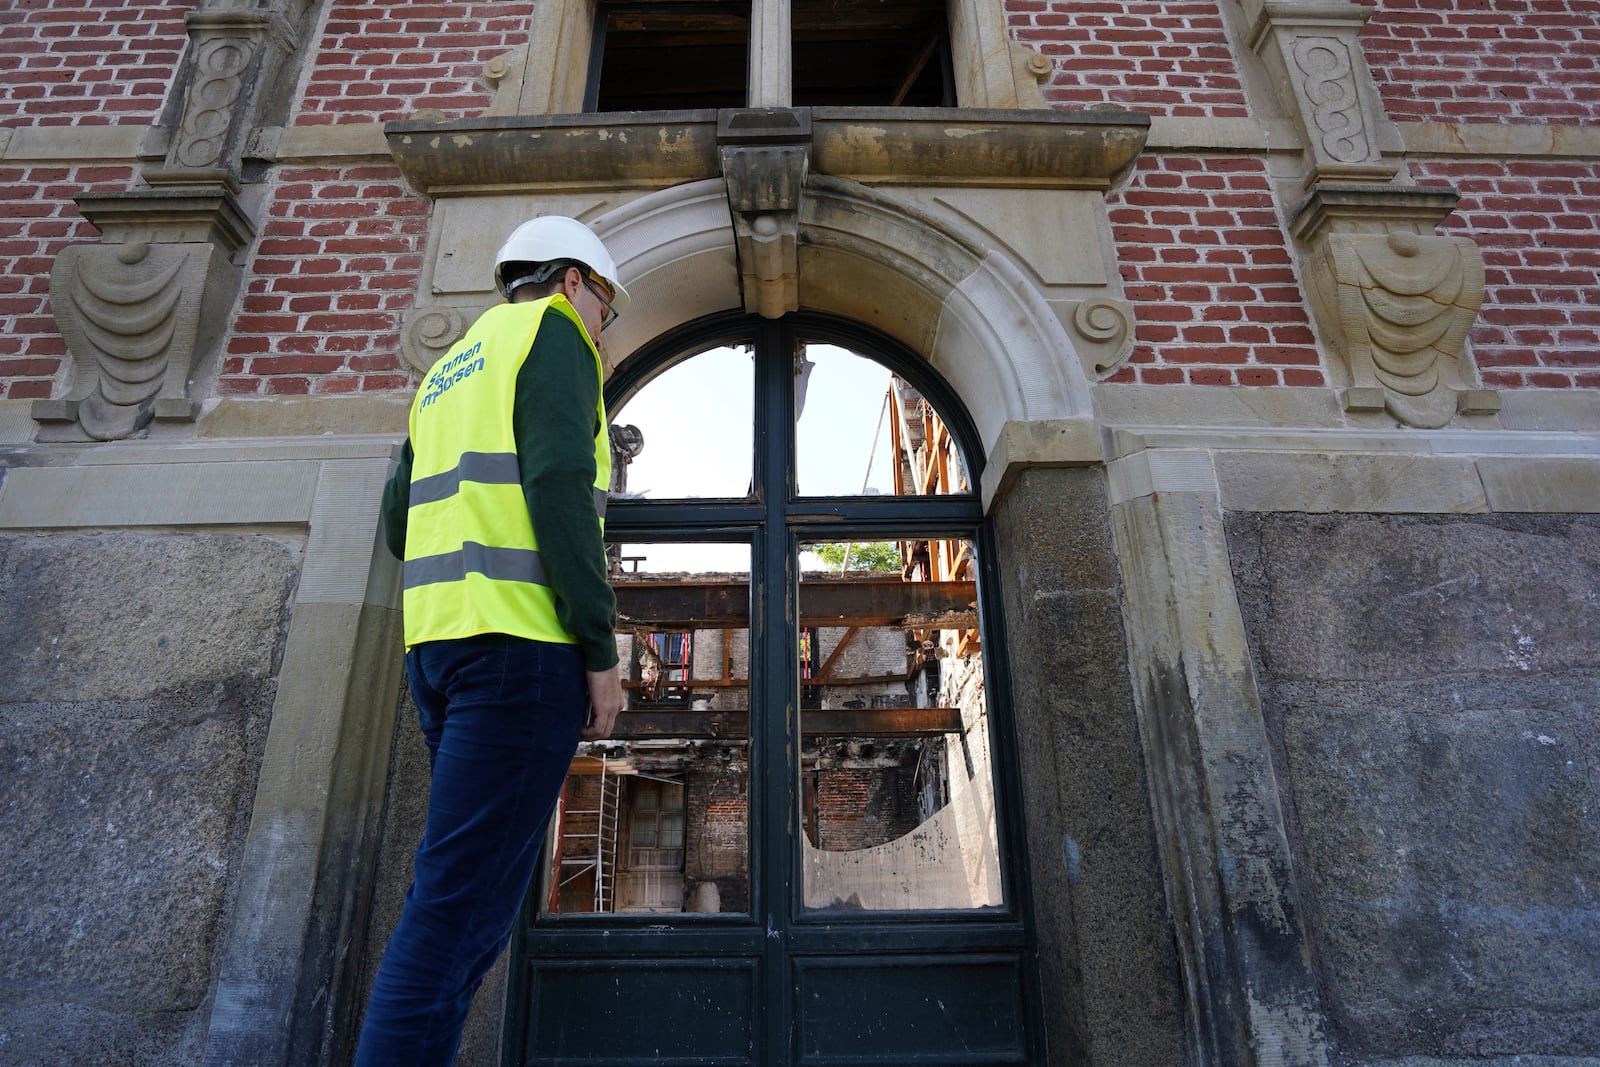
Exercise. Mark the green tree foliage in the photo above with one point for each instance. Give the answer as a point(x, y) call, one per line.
point(864, 555)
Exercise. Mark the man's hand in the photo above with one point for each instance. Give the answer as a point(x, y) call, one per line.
point(605, 700)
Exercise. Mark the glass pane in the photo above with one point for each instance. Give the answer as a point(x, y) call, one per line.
point(863, 431)
point(897, 782)
point(656, 818)
point(689, 431)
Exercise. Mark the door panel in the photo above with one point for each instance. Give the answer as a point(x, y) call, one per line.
point(899, 1010)
point(800, 826)
point(617, 1012)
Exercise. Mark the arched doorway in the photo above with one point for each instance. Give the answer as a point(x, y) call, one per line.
point(802, 845)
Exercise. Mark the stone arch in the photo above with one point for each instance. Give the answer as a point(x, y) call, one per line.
point(926, 280)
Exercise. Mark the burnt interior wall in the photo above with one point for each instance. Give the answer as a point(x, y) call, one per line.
point(1109, 970)
point(717, 844)
point(137, 675)
point(1432, 688)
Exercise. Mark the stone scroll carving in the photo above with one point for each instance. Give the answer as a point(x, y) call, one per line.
point(1102, 332)
point(1404, 305)
point(427, 333)
point(1328, 80)
point(236, 55)
point(1312, 54)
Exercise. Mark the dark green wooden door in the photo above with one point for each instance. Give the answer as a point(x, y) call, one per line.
point(800, 846)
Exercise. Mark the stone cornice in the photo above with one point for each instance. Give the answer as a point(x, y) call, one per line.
point(353, 142)
point(994, 148)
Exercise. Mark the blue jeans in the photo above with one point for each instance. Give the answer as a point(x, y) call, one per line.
point(501, 717)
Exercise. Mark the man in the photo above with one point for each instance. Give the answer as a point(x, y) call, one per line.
point(496, 510)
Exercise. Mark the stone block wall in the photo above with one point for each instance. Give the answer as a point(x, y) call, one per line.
point(1432, 711)
point(1106, 952)
point(137, 675)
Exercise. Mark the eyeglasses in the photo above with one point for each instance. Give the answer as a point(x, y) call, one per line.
point(609, 315)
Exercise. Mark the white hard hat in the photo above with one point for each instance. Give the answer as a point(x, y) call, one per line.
point(555, 237)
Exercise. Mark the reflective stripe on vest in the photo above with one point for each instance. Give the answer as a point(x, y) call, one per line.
point(472, 563)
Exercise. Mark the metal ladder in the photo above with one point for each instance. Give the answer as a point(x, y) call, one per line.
point(605, 872)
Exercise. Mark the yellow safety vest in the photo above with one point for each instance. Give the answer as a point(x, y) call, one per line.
point(472, 562)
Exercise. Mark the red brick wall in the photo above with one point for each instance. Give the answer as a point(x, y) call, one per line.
point(1199, 240)
point(1208, 268)
point(1473, 61)
point(333, 270)
point(1538, 226)
point(338, 260)
point(37, 220)
point(381, 61)
point(1160, 58)
point(87, 62)
point(67, 63)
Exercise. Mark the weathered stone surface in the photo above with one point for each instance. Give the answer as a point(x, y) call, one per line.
point(1397, 597)
point(42, 1034)
point(121, 819)
point(131, 735)
point(129, 616)
point(1350, 482)
point(1109, 971)
point(1442, 781)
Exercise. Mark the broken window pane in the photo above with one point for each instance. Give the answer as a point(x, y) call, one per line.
point(897, 781)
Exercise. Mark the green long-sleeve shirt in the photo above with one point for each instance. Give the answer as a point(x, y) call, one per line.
point(553, 419)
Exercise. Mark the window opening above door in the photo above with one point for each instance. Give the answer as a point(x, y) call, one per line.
point(692, 54)
point(673, 56)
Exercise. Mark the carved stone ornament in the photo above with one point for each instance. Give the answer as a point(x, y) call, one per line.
point(139, 309)
point(1313, 54)
point(765, 155)
point(1404, 304)
point(130, 315)
point(1328, 80)
point(1102, 332)
point(428, 332)
point(234, 54)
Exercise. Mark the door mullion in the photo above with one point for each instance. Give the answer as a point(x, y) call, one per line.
point(773, 752)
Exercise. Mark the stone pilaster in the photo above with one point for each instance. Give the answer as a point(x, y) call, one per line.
point(1394, 300)
point(140, 309)
point(236, 52)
